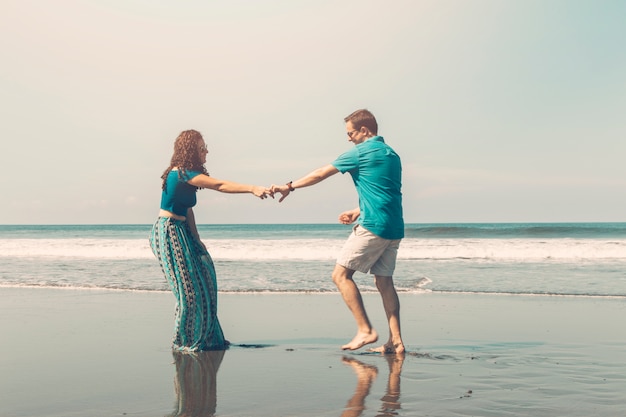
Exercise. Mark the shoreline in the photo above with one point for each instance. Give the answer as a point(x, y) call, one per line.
point(321, 293)
point(107, 353)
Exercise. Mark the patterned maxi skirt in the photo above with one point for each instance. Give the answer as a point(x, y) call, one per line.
point(190, 273)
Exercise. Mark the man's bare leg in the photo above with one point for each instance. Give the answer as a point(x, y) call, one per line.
point(365, 335)
point(391, 303)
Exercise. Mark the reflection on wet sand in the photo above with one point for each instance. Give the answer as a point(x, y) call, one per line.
point(196, 383)
point(366, 375)
point(391, 399)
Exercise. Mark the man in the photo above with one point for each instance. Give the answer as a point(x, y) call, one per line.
point(373, 244)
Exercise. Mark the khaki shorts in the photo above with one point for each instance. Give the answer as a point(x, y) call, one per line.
point(365, 252)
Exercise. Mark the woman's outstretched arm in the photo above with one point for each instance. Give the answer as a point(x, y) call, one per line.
point(224, 186)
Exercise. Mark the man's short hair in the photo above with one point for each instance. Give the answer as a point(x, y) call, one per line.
point(363, 117)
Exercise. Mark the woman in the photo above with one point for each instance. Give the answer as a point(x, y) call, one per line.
point(175, 242)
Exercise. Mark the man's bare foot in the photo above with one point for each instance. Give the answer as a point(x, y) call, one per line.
point(389, 348)
point(360, 340)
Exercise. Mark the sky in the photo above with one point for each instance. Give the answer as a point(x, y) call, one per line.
point(502, 111)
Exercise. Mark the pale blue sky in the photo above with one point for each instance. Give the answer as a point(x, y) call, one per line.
point(501, 110)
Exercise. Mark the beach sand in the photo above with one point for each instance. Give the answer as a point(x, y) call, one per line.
point(107, 353)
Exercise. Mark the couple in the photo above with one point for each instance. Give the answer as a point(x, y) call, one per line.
point(372, 246)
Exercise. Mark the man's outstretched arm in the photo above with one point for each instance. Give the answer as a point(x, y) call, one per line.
point(312, 178)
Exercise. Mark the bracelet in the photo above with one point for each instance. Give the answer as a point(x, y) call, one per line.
point(290, 187)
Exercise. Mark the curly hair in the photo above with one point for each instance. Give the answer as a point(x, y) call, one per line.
point(186, 156)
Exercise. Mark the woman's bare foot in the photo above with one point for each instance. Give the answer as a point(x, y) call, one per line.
point(360, 340)
point(389, 348)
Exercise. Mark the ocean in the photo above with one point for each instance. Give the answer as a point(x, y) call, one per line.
point(566, 259)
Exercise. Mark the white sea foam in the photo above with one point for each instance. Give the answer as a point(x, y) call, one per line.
point(514, 249)
point(326, 249)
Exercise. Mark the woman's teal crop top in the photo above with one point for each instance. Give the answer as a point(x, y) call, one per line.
point(178, 196)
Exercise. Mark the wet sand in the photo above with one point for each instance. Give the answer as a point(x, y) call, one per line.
point(107, 353)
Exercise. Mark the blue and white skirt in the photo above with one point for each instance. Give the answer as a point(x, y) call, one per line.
point(190, 273)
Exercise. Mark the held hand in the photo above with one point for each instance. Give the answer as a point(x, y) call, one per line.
point(262, 192)
point(282, 189)
point(348, 217)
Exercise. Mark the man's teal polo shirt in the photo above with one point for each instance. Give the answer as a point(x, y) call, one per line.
point(377, 174)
